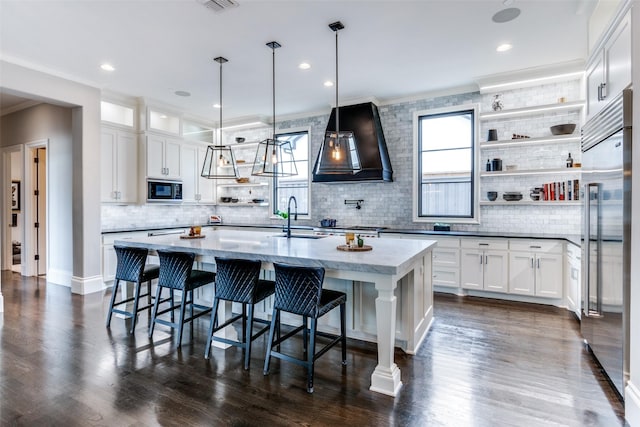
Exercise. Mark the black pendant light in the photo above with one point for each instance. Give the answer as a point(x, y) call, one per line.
point(338, 153)
point(273, 157)
point(219, 161)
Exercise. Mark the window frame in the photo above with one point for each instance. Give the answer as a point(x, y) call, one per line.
point(475, 173)
point(274, 182)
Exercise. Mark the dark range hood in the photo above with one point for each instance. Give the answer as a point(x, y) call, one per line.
point(364, 121)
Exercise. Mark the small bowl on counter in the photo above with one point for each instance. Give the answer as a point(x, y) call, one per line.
point(225, 199)
point(492, 195)
point(242, 180)
point(563, 129)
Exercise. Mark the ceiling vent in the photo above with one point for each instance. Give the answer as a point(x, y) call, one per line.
point(219, 5)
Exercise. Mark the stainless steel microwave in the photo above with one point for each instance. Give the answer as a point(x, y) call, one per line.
point(164, 191)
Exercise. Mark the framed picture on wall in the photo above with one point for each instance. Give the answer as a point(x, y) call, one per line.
point(15, 195)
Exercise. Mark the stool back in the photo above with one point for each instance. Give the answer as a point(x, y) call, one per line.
point(298, 289)
point(175, 268)
point(130, 263)
point(236, 279)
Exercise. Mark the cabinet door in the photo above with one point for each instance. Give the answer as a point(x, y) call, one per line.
point(471, 273)
point(172, 160)
point(595, 78)
point(521, 273)
point(127, 167)
point(549, 275)
point(617, 53)
point(188, 161)
point(107, 165)
point(445, 276)
point(206, 187)
point(109, 263)
point(496, 270)
point(155, 157)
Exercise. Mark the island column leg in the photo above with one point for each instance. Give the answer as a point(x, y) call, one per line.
point(386, 377)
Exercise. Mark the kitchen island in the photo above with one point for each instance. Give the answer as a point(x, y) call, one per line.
point(392, 264)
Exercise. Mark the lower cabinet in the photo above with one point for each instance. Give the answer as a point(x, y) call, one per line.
point(572, 272)
point(536, 268)
point(484, 265)
point(446, 263)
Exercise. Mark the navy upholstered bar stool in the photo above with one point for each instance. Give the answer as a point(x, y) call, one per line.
point(238, 280)
point(177, 273)
point(132, 267)
point(299, 291)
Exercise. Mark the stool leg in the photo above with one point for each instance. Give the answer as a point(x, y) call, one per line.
point(183, 306)
point(114, 291)
point(135, 307)
point(311, 354)
point(247, 337)
point(155, 310)
point(190, 302)
point(212, 325)
point(343, 324)
point(267, 358)
point(305, 336)
point(171, 301)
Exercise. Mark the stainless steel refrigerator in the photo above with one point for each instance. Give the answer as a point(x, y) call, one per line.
point(606, 177)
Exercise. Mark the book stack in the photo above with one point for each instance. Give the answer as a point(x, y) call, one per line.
point(562, 190)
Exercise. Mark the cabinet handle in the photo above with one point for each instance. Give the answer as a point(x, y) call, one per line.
point(486, 259)
point(483, 244)
point(538, 260)
point(602, 91)
point(480, 259)
point(535, 247)
point(531, 262)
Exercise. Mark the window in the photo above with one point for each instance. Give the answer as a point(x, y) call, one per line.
point(446, 181)
point(115, 113)
point(297, 185)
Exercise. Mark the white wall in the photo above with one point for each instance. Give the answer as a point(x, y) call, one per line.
point(85, 160)
point(50, 122)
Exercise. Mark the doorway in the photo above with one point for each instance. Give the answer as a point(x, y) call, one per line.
point(35, 252)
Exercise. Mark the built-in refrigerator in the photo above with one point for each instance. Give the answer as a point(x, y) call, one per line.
point(606, 177)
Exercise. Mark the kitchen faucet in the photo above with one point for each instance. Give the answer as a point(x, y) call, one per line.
point(295, 218)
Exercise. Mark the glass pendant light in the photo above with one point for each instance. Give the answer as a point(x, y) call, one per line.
point(338, 153)
point(219, 161)
point(273, 157)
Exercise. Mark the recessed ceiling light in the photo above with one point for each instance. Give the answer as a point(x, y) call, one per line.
point(304, 66)
point(328, 83)
point(506, 15)
point(107, 67)
point(182, 93)
point(504, 47)
point(216, 105)
point(163, 116)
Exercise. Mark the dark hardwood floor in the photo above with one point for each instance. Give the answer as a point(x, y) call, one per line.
point(484, 363)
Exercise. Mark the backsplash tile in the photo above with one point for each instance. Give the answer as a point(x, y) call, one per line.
point(390, 204)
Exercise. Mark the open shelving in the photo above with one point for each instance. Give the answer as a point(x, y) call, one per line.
point(561, 171)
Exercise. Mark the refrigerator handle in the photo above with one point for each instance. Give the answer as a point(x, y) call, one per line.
point(587, 248)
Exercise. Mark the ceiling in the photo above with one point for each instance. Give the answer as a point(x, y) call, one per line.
point(388, 49)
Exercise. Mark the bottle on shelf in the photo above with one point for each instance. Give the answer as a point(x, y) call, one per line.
point(488, 165)
point(569, 161)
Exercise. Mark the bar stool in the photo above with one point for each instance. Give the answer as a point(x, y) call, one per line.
point(238, 280)
point(131, 268)
point(299, 291)
point(177, 273)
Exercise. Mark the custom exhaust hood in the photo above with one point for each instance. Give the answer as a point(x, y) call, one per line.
point(363, 120)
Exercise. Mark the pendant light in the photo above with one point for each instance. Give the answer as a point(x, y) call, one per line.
point(273, 157)
point(219, 161)
point(338, 153)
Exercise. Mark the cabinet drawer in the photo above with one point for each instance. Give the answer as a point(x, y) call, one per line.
point(573, 251)
point(446, 257)
point(498, 244)
point(545, 246)
point(445, 242)
point(443, 276)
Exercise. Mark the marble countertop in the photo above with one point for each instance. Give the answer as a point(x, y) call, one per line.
point(389, 256)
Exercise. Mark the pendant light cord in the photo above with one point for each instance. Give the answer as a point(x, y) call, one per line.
point(273, 89)
point(220, 125)
point(337, 105)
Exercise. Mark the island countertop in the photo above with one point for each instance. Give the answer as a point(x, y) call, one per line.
point(398, 270)
point(389, 256)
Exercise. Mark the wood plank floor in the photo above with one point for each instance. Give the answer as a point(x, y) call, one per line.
point(484, 363)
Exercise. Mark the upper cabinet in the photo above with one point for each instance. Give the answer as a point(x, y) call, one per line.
point(195, 188)
point(119, 170)
point(163, 157)
point(609, 68)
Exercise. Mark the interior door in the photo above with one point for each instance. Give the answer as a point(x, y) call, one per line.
point(40, 211)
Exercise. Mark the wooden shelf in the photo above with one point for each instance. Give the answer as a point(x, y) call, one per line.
point(506, 143)
point(561, 171)
point(532, 202)
point(539, 109)
point(248, 184)
point(243, 204)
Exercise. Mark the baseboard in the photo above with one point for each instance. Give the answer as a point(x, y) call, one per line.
point(59, 277)
point(632, 405)
point(86, 285)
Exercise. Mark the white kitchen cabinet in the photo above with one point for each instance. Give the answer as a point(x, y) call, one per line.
point(195, 188)
point(573, 269)
point(163, 157)
point(484, 265)
point(609, 69)
point(446, 262)
point(119, 166)
point(535, 268)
